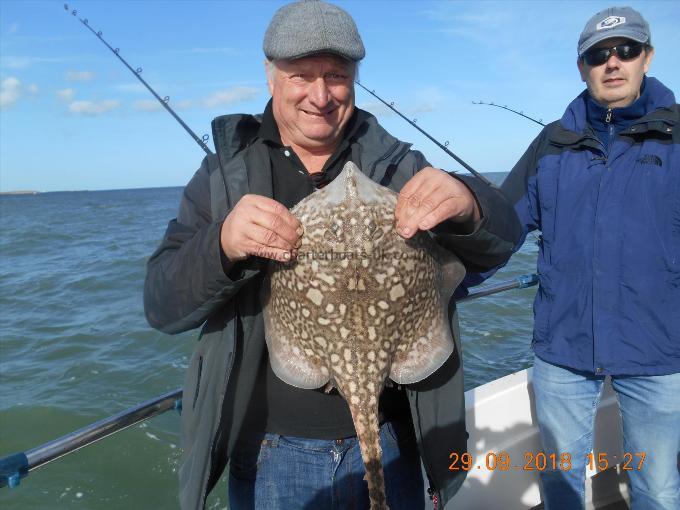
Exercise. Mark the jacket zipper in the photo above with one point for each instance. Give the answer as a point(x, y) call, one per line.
point(597, 369)
point(230, 366)
point(608, 120)
point(198, 381)
point(384, 157)
point(431, 491)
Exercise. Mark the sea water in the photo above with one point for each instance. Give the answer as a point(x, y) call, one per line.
point(75, 346)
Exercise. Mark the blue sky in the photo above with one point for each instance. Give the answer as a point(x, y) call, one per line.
point(72, 117)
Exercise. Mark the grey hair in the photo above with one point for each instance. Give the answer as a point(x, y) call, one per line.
point(270, 67)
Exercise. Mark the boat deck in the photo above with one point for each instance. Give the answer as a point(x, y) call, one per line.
point(619, 505)
point(501, 420)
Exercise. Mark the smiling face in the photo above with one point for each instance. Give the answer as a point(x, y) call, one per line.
point(312, 100)
point(616, 83)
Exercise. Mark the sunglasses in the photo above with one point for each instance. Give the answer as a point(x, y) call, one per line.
point(625, 52)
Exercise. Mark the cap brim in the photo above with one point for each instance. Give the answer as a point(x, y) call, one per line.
point(322, 53)
point(633, 35)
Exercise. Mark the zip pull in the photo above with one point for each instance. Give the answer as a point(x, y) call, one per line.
point(434, 497)
point(608, 118)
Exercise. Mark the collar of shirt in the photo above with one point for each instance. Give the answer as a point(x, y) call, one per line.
point(269, 133)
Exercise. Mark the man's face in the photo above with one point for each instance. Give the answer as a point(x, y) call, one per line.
point(616, 83)
point(312, 99)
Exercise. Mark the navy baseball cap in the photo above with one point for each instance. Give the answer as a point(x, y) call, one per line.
point(614, 22)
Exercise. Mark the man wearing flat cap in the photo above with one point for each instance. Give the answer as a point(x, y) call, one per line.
point(290, 448)
point(602, 185)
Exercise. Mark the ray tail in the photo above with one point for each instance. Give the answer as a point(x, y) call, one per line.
point(368, 433)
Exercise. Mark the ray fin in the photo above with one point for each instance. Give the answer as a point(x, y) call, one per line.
point(287, 357)
point(435, 344)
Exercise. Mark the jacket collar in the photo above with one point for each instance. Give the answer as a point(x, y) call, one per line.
point(658, 115)
point(602, 119)
point(234, 133)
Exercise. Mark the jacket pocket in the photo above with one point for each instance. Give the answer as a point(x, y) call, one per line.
point(198, 381)
point(401, 434)
point(546, 205)
point(543, 304)
point(675, 230)
point(192, 382)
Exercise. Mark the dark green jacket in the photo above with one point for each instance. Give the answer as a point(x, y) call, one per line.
point(189, 284)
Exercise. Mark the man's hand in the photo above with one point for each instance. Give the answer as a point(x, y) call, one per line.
point(260, 226)
point(430, 197)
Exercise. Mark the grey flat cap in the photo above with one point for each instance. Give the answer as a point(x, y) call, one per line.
point(308, 27)
point(613, 22)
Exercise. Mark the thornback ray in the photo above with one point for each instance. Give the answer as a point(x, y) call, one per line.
point(359, 305)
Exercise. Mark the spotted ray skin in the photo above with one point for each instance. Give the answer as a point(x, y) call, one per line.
point(359, 305)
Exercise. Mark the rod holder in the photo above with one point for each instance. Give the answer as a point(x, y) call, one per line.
point(12, 469)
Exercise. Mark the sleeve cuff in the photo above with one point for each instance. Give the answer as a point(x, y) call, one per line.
point(466, 228)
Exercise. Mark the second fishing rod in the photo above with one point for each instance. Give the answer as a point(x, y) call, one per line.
point(202, 141)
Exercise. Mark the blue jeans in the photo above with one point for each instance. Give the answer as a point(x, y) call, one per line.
point(566, 401)
point(273, 472)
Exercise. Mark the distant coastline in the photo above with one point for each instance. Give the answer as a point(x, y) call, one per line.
point(495, 177)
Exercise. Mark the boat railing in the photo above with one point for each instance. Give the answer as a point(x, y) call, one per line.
point(16, 466)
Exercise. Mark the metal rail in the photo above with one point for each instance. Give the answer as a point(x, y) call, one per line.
point(17, 466)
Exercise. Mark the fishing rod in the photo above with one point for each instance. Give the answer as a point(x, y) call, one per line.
point(521, 282)
point(443, 146)
point(505, 107)
point(18, 465)
point(201, 142)
point(137, 73)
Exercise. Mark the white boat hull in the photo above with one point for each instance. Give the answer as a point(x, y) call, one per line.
point(501, 418)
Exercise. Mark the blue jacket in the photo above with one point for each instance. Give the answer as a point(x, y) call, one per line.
point(609, 257)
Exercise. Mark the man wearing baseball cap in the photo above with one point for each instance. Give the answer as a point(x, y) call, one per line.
point(602, 185)
point(291, 448)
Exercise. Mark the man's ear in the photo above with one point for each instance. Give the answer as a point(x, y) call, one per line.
point(581, 68)
point(649, 55)
point(269, 71)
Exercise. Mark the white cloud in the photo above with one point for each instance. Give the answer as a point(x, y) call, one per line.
point(229, 96)
point(10, 91)
point(479, 20)
point(79, 75)
point(226, 51)
point(184, 104)
point(376, 108)
point(93, 107)
point(219, 99)
point(147, 105)
point(13, 28)
point(15, 62)
point(130, 87)
point(429, 99)
point(66, 95)
point(426, 99)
